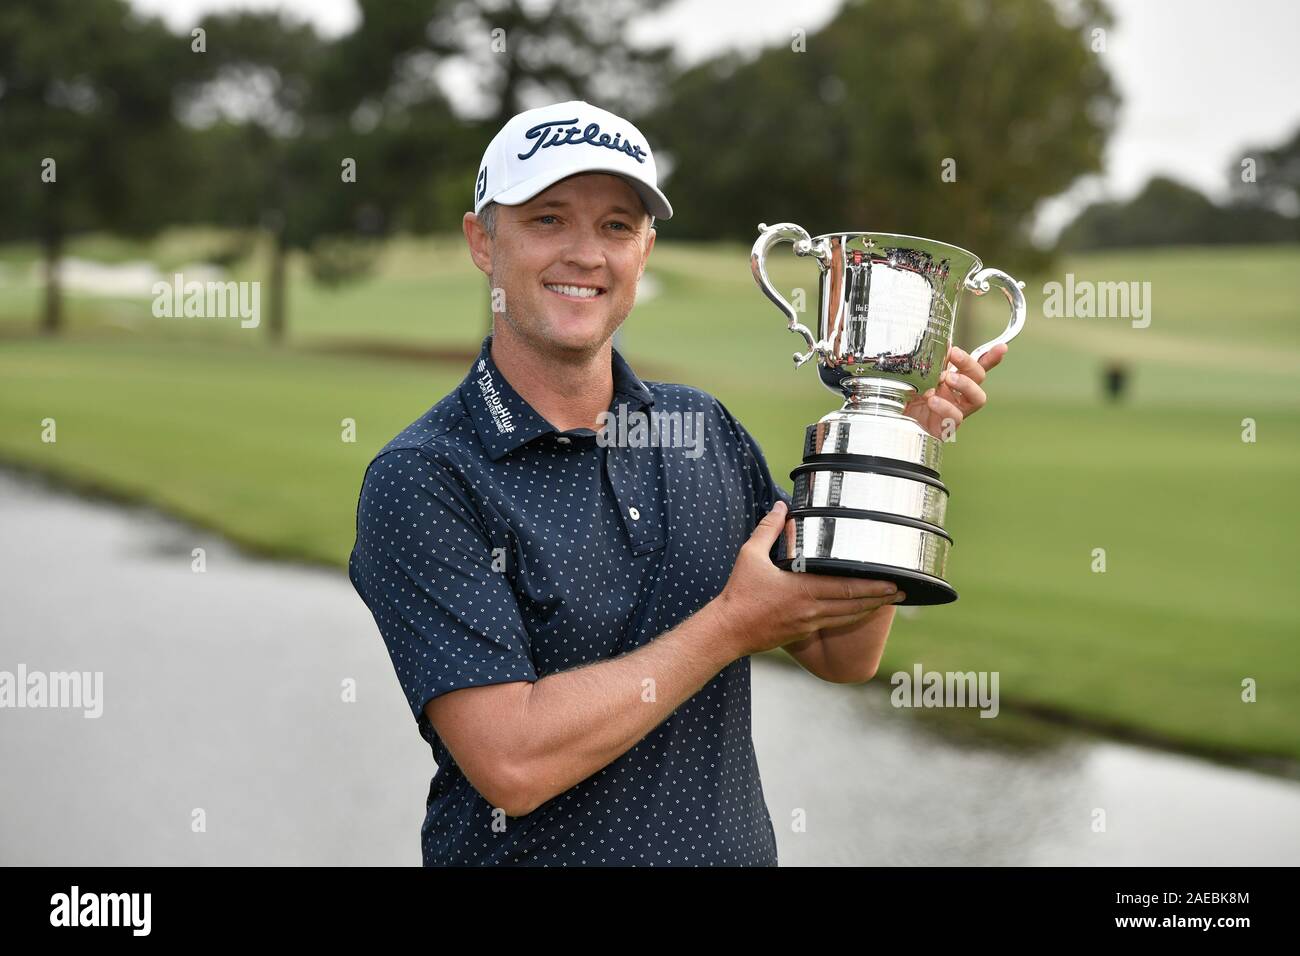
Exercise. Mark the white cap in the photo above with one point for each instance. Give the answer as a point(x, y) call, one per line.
point(537, 148)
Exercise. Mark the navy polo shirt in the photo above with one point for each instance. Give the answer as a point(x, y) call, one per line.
point(491, 547)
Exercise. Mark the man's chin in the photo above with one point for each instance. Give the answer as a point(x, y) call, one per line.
point(578, 336)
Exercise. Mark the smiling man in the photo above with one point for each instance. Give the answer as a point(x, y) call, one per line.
point(571, 618)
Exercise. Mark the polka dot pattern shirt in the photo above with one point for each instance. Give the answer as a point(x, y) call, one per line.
point(491, 548)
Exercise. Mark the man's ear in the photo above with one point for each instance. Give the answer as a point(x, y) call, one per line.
point(650, 244)
point(480, 243)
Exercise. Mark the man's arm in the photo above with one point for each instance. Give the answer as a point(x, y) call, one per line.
point(849, 653)
point(520, 743)
point(524, 742)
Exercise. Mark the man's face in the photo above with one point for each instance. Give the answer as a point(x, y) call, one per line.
point(568, 261)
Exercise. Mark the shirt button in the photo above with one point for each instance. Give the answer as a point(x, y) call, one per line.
point(563, 440)
point(636, 515)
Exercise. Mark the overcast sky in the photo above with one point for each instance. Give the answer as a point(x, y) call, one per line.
point(1200, 79)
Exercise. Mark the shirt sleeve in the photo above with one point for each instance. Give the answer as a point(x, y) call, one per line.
point(426, 568)
point(764, 487)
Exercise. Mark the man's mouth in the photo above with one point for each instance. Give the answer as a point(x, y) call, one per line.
point(570, 291)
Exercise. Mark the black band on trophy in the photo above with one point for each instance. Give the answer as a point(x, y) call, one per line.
point(867, 463)
point(870, 516)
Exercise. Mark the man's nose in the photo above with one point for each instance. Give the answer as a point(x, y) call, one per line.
point(584, 252)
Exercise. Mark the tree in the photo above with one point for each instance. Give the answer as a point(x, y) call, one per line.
point(257, 101)
point(326, 145)
point(90, 139)
point(1269, 178)
point(525, 54)
point(1167, 212)
point(951, 119)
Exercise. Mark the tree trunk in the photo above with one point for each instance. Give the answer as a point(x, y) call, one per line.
point(52, 316)
point(275, 324)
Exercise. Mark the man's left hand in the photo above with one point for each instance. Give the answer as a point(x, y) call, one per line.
point(959, 394)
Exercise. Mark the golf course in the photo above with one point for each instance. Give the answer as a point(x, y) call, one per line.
point(1184, 490)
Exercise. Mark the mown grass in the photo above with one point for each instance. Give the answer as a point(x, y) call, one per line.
point(1198, 527)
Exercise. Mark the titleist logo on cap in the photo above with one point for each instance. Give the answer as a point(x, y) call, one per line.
point(552, 133)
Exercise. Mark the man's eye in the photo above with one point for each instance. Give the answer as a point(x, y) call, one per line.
point(621, 225)
point(546, 216)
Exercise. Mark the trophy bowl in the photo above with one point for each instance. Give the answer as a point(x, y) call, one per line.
point(868, 501)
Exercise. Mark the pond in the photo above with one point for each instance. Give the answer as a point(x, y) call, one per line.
point(228, 733)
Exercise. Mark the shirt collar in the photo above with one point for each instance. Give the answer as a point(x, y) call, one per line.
point(505, 421)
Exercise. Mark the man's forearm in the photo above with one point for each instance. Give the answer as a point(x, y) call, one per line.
point(577, 721)
point(847, 654)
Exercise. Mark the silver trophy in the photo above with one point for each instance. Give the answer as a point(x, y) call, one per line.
point(867, 499)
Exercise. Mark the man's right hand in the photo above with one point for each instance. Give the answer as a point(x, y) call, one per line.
point(765, 607)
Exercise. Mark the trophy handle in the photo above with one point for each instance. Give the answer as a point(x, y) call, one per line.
point(979, 284)
point(803, 246)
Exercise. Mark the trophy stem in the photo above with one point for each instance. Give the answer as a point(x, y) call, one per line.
point(876, 396)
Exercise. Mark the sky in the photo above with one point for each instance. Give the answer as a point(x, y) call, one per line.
point(1200, 79)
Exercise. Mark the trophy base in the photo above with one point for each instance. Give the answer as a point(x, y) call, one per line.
point(910, 553)
point(921, 589)
point(868, 502)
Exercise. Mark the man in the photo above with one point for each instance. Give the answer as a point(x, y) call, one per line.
point(570, 617)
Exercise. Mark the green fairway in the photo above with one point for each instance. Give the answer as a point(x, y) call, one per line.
point(202, 418)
